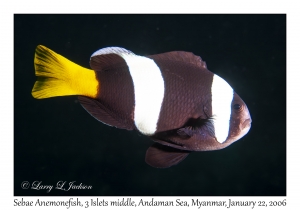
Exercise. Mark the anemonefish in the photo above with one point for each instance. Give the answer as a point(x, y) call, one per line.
point(171, 97)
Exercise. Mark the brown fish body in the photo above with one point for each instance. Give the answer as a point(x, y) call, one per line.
point(170, 97)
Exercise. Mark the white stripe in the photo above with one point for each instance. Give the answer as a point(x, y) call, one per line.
point(148, 87)
point(222, 95)
point(148, 91)
point(109, 50)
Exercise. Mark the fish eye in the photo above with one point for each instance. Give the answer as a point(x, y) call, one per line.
point(237, 106)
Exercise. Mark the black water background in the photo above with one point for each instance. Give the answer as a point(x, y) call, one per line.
point(57, 140)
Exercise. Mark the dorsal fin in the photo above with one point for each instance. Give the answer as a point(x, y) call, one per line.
point(181, 56)
point(106, 58)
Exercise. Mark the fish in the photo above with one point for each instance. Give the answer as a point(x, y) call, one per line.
point(170, 97)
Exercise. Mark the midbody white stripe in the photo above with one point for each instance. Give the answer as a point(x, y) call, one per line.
point(222, 95)
point(148, 91)
point(148, 87)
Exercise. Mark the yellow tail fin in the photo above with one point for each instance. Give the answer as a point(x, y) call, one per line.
point(58, 76)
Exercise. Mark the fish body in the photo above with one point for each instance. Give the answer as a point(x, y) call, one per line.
point(170, 97)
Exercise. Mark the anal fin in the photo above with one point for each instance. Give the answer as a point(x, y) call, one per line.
point(101, 113)
point(160, 156)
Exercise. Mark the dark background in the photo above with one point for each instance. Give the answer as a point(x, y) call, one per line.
point(56, 139)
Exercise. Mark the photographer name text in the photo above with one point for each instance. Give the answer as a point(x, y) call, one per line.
point(60, 185)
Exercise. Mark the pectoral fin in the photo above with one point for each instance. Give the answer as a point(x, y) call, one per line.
point(160, 156)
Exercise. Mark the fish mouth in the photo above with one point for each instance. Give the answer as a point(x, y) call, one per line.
point(246, 124)
point(243, 130)
point(245, 127)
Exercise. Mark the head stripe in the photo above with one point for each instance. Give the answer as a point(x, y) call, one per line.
point(222, 95)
